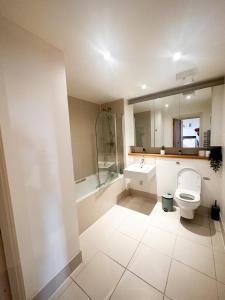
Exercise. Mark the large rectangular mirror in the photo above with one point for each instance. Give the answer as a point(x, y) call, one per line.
point(180, 121)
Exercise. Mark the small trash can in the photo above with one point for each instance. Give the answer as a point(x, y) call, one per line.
point(167, 202)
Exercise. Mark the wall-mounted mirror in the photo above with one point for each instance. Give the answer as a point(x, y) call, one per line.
point(180, 121)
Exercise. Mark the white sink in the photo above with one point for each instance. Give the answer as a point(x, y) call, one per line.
point(139, 172)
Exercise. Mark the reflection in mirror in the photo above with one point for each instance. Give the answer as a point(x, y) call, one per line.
point(153, 121)
point(180, 121)
point(144, 124)
point(167, 111)
point(195, 118)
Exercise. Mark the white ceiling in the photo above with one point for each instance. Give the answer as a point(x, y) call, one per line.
point(141, 36)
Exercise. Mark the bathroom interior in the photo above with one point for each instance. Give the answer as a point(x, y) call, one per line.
point(112, 178)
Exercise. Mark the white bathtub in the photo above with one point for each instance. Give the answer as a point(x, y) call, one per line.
point(92, 202)
point(85, 187)
point(90, 184)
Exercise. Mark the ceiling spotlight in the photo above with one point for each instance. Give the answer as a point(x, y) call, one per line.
point(107, 56)
point(144, 86)
point(177, 56)
point(188, 97)
point(166, 105)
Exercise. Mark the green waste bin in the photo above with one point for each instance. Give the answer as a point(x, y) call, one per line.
point(167, 202)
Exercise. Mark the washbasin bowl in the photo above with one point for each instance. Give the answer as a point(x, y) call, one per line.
point(139, 172)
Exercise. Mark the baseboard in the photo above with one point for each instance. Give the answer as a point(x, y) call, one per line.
point(150, 196)
point(55, 283)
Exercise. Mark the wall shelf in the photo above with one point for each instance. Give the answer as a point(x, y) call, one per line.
point(168, 155)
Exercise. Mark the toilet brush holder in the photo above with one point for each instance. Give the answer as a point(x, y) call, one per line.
point(215, 212)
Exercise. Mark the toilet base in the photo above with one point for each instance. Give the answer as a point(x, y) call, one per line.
point(187, 213)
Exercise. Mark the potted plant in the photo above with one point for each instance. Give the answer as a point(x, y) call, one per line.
point(216, 158)
point(163, 151)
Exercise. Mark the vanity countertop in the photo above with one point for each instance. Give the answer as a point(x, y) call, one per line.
point(168, 155)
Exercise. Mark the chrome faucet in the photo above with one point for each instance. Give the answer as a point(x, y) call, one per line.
point(142, 162)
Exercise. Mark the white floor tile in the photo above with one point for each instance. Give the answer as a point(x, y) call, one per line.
point(221, 290)
point(131, 287)
point(100, 277)
point(195, 233)
point(88, 249)
point(164, 222)
point(220, 265)
point(184, 283)
point(73, 292)
point(120, 247)
point(151, 266)
point(217, 242)
point(114, 216)
point(134, 225)
point(172, 214)
point(195, 255)
point(160, 239)
point(97, 234)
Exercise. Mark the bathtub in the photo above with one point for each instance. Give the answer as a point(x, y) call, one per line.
point(90, 184)
point(85, 186)
point(93, 201)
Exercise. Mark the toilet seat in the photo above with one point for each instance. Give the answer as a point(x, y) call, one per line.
point(187, 195)
point(188, 192)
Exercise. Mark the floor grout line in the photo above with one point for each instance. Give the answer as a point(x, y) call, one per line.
point(170, 264)
point(82, 289)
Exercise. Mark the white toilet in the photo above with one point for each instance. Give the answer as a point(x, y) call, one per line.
point(188, 192)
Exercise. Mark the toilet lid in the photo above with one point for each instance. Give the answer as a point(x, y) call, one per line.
point(189, 179)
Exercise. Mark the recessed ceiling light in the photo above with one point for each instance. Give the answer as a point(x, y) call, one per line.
point(188, 97)
point(177, 56)
point(166, 105)
point(144, 86)
point(107, 56)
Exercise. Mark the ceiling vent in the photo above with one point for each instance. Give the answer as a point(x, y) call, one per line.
point(187, 76)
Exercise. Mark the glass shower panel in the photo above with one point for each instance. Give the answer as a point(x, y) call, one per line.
point(106, 142)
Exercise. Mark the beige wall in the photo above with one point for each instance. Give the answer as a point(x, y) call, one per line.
point(34, 121)
point(116, 106)
point(83, 116)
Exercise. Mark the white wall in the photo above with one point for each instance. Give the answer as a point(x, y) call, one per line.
point(165, 179)
point(35, 130)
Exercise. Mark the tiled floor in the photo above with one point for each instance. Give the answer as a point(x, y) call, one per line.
point(128, 255)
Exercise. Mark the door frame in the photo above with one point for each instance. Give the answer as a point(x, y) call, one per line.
point(8, 231)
